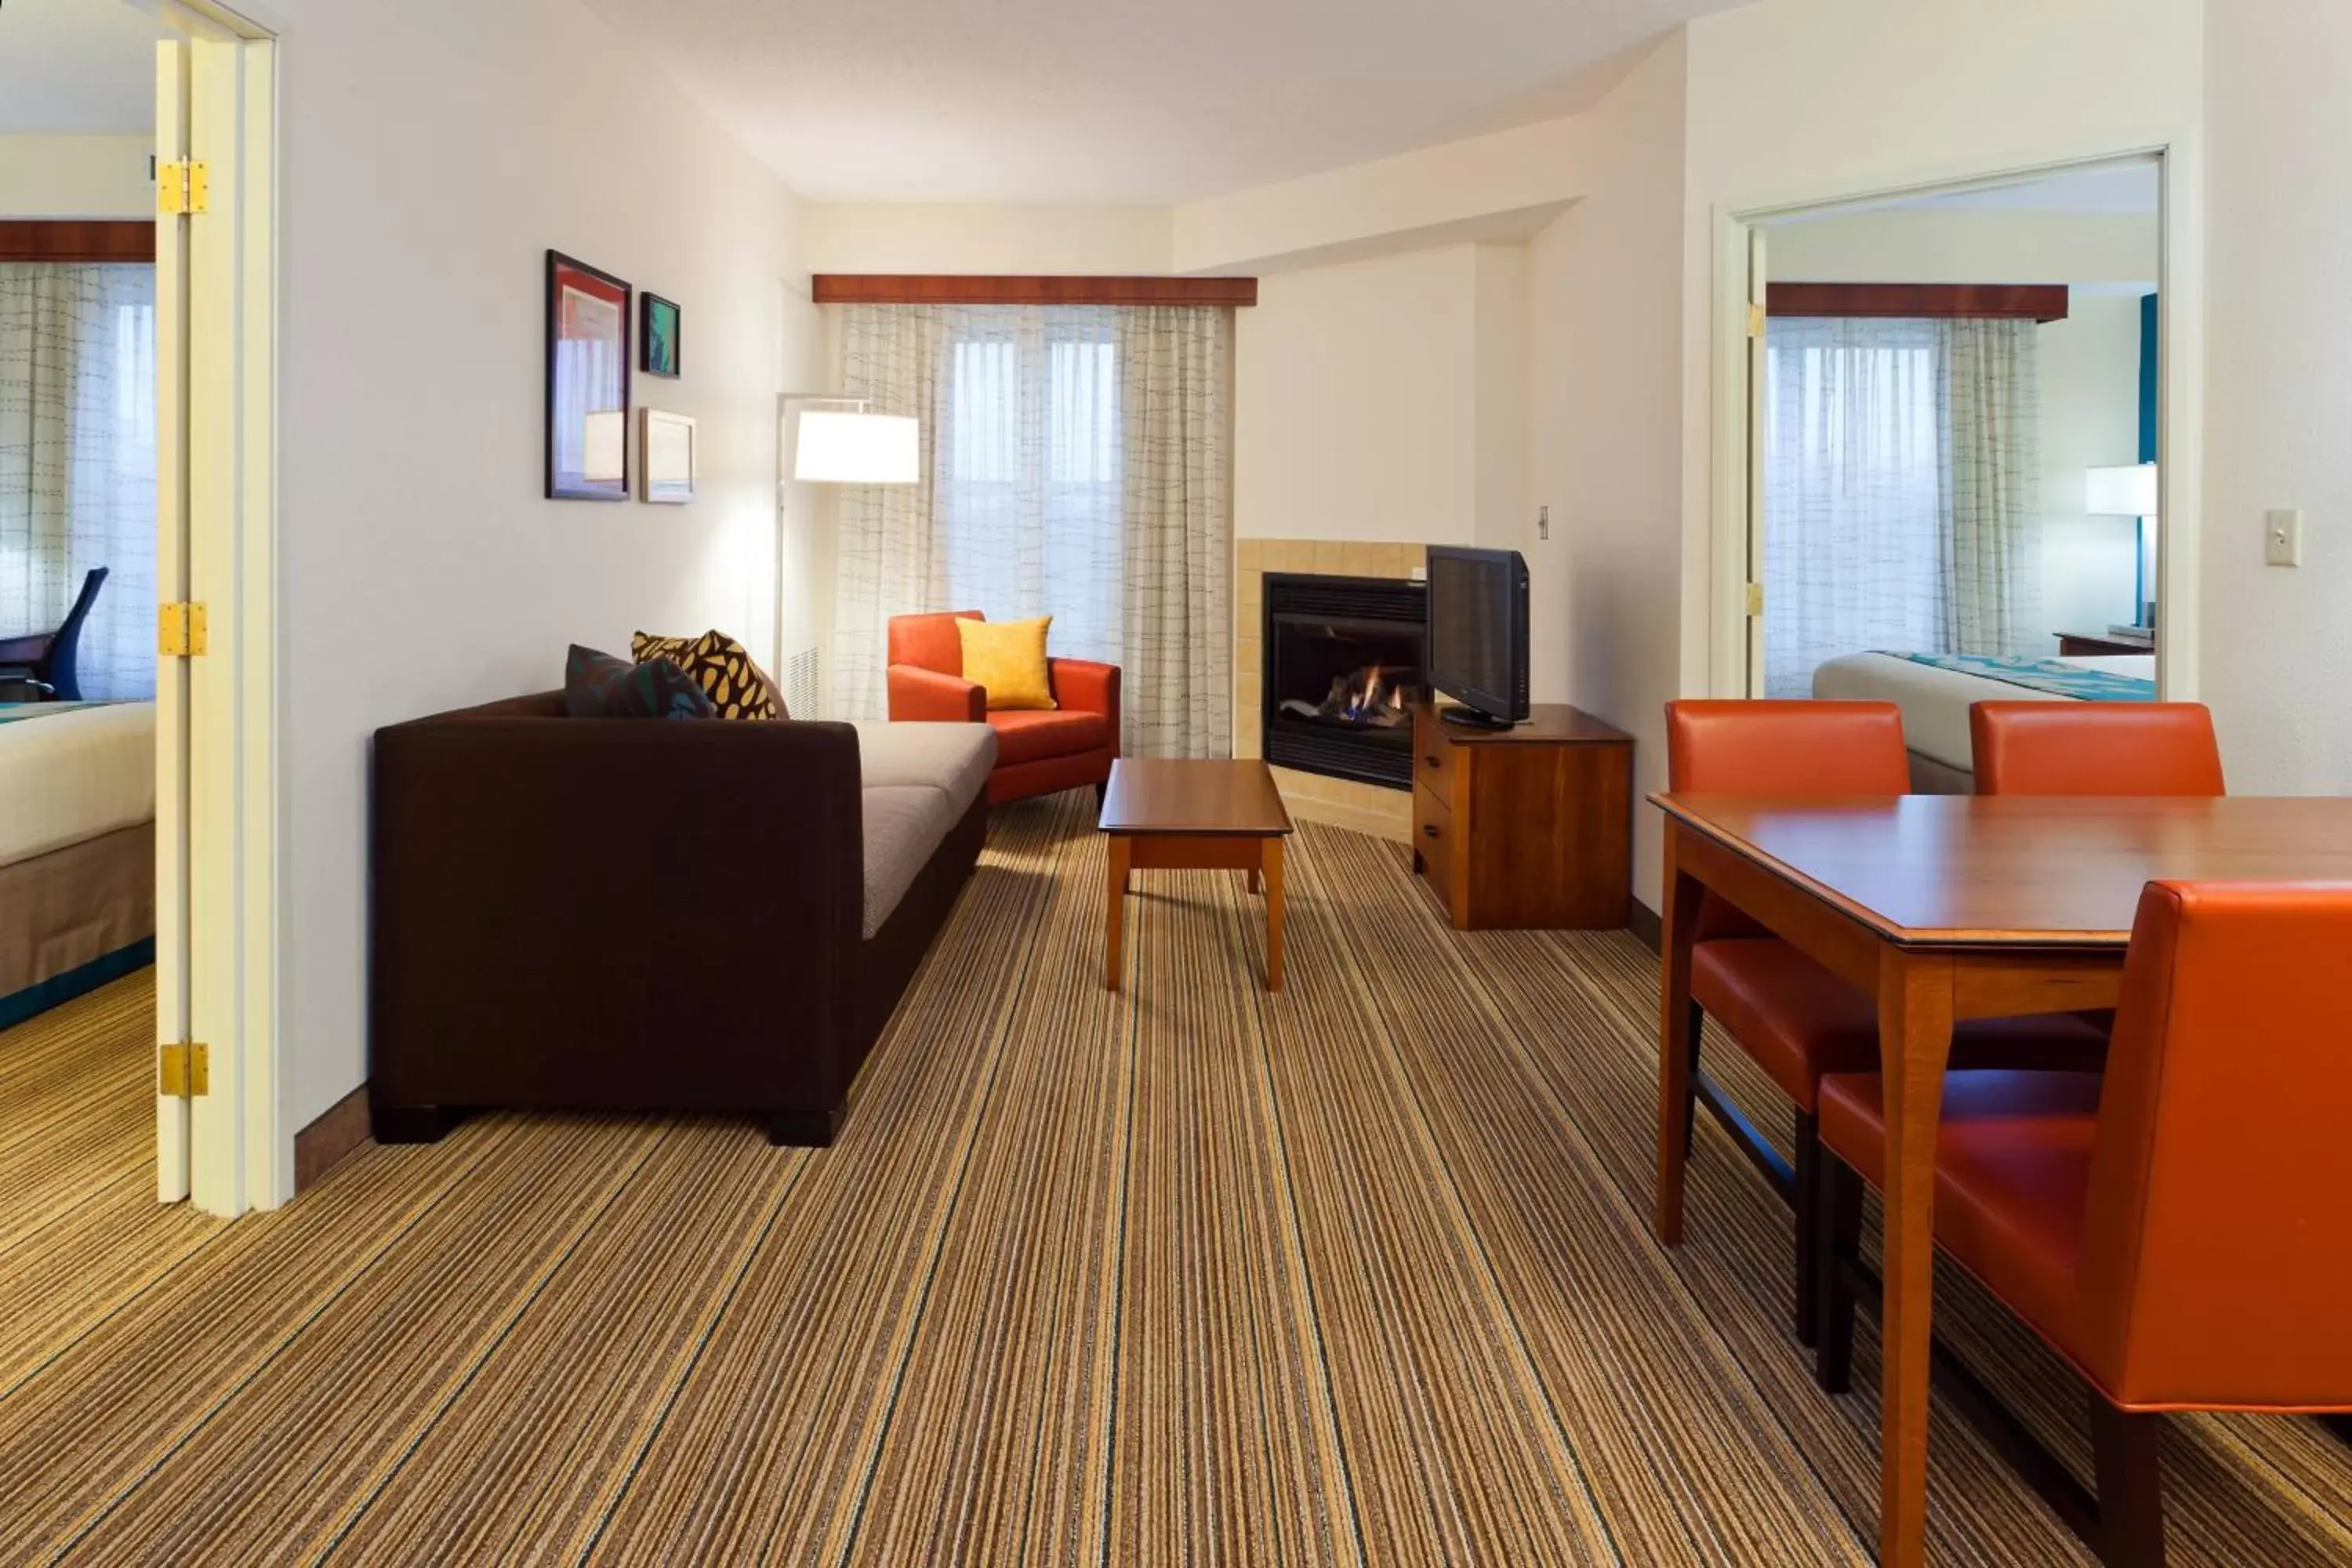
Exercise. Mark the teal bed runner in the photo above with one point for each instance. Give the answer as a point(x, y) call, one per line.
point(2044, 675)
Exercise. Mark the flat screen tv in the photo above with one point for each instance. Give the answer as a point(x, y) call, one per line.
point(1477, 650)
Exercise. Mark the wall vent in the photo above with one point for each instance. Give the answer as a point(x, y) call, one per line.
point(799, 684)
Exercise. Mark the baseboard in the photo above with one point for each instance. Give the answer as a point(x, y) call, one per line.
point(327, 1142)
point(1643, 922)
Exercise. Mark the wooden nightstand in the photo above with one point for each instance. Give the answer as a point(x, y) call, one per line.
point(1528, 828)
point(2095, 645)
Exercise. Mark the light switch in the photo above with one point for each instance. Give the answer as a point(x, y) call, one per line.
point(2283, 537)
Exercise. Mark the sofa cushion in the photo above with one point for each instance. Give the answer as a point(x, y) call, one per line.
point(737, 688)
point(600, 686)
point(904, 825)
point(951, 757)
point(1032, 737)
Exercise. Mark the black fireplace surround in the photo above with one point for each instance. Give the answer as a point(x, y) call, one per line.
point(1343, 659)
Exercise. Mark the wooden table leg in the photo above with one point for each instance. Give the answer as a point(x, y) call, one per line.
point(1115, 940)
point(1914, 1040)
point(1272, 866)
point(1679, 925)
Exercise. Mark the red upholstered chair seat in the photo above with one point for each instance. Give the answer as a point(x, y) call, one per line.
point(1799, 1021)
point(1027, 735)
point(1038, 750)
point(2012, 1179)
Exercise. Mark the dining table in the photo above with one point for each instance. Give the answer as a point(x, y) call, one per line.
point(1945, 908)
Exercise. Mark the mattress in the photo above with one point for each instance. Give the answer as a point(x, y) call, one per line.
point(72, 775)
point(1934, 702)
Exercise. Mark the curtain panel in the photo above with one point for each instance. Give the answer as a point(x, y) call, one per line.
point(77, 461)
point(1076, 464)
point(1902, 480)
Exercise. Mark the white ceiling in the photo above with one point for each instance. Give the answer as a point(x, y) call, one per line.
point(79, 67)
point(2122, 190)
point(1121, 101)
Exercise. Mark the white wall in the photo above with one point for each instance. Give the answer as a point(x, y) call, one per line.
point(986, 238)
point(2277, 654)
point(433, 151)
point(1604, 440)
point(1356, 407)
point(1968, 245)
point(75, 176)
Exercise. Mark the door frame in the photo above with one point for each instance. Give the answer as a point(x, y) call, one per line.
point(2181, 412)
point(219, 940)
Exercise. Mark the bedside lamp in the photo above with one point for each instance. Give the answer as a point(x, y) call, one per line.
point(2130, 490)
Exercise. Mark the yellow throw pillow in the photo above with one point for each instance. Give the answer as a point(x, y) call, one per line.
point(1008, 658)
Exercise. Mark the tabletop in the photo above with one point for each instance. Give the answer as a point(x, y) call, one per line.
point(1236, 799)
point(2023, 869)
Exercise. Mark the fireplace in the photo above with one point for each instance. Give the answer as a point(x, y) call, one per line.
point(1342, 668)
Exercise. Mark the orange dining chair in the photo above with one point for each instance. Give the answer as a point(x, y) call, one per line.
point(2095, 748)
point(2176, 1230)
point(1795, 1020)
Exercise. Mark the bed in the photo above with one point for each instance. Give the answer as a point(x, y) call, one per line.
point(1936, 692)
point(76, 849)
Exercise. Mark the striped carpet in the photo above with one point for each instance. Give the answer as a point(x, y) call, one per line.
point(1187, 1273)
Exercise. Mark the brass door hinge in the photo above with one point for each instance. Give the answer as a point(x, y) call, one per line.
point(183, 187)
point(180, 631)
point(185, 1072)
point(1755, 320)
point(1755, 598)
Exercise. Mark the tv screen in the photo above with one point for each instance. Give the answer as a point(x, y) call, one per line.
point(1478, 629)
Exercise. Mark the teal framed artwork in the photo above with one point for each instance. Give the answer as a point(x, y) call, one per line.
point(659, 327)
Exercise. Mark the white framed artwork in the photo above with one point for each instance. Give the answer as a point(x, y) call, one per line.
point(669, 456)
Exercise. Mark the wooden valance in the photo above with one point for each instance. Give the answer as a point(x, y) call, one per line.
point(2011, 302)
point(959, 289)
point(31, 241)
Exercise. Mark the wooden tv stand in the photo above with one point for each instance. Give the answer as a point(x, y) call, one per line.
point(1529, 828)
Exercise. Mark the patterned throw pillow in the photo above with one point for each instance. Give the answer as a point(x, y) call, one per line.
point(600, 686)
point(737, 688)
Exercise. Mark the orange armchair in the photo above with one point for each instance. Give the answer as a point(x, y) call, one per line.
point(2177, 1231)
point(1795, 1020)
point(1037, 752)
point(2095, 748)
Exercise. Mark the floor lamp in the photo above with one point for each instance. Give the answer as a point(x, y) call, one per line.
point(843, 442)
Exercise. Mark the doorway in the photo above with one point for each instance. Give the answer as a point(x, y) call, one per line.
point(1954, 428)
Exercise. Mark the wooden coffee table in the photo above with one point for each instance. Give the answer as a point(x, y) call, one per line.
point(1194, 816)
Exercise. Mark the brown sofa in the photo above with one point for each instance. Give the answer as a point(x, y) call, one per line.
point(653, 914)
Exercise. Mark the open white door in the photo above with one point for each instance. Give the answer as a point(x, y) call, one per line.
point(1759, 411)
point(219, 1139)
point(172, 966)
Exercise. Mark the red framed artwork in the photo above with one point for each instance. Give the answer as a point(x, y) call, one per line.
point(587, 381)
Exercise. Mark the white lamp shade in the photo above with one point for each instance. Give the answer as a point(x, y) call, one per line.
point(2130, 490)
point(840, 447)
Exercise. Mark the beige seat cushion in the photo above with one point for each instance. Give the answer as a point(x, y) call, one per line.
point(904, 825)
point(953, 758)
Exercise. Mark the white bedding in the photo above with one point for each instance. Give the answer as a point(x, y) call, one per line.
point(65, 777)
point(1934, 702)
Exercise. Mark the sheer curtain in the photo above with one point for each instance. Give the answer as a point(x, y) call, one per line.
point(1900, 490)
point(77, 461)
point(1075, 466)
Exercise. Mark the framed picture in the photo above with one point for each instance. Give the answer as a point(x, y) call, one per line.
point(659, 325)
point(587, 381)
point(669, 442)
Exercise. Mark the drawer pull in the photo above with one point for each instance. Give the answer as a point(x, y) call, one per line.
point(1430, 760)
point(1428, 830)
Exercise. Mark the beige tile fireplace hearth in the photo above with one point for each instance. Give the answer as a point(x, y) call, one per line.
point(1342, 802)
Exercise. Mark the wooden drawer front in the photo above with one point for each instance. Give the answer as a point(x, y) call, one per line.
point(1433, 847)
point(1435, 762)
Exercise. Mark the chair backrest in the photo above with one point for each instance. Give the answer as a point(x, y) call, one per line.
point(1786, 747)
point(1780, 747)
point(2217, 1253)
point(64, 665)
point(930, 642)
point(2095, 748)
